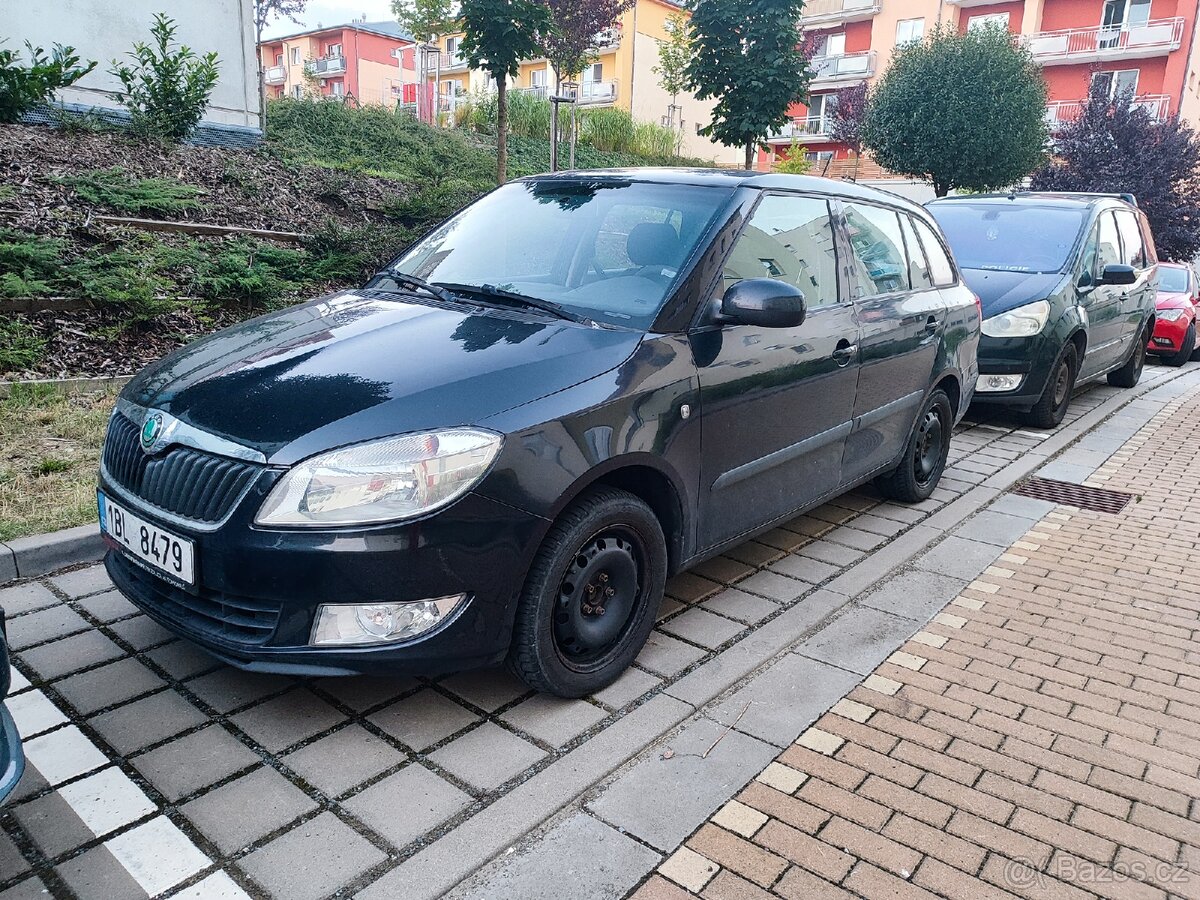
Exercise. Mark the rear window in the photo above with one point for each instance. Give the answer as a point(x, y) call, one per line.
point(1005, 237)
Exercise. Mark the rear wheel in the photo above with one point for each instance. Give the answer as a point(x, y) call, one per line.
point(1131, 373)
point(1186, 349)
point(1051, 407)
point(591, 596)
point(925, 455)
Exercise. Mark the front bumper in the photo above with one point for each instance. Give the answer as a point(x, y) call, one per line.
point(1029, 358)
point(257, 590)
point(1168, 336)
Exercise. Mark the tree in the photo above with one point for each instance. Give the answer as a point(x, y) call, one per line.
point(24, 87)
point(165, 90)
point(961, 110)
point(849, 111)
point(571, 43)
point(497, 35)
point(264, 12)
point(746, 55)
point(673, 56)
point(1117, 146)
point(424, 20)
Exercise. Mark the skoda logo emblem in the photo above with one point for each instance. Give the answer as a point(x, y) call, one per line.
point(151, 429)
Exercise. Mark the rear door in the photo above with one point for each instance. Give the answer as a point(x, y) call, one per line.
point(776, 402)
point(1102, 303)
point(1140, 297)
point(900, 313)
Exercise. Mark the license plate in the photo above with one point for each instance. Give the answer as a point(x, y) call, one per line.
point(146, 542)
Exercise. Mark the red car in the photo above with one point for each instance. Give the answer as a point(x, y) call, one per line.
point(1175, 322)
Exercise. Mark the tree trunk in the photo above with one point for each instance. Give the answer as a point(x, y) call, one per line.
point(749, 155)
point(941, 188)
point(501, 128)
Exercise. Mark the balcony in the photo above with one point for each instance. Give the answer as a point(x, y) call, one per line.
point(327, 67)
point(844, 69)
point(591, 92)
point(805, 129)
point(607, 38)
point(447, 61)
point(275, 75)
point(823, 13)
point(1061, 113)
point(1103, 43)
point(541, 91)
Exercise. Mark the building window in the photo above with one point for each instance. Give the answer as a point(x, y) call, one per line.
point(338, 89)
point(1116, 84)
point(279, 59)
point(537, 78)
point(830, 45)
point(296, 56)
point(593, 72)
point(333, 51)
point(909, 30)
point(991, 20)
point(298, 91)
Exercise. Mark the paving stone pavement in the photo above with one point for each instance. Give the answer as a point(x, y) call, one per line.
point(155, 771)
point(1038, 737)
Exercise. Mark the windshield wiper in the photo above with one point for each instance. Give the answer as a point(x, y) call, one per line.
point(490, 290)
point(420, 284)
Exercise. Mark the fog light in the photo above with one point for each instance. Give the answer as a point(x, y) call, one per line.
point(993, 383)
point(379, 623)
point(1163, 342)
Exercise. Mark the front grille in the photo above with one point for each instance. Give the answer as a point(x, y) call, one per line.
point(1070, 494)
point(206, 613)
point(183, 481)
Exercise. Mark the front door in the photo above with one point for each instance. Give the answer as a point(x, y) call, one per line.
point(1102, 303)
point(901, 314)
point(776, 403)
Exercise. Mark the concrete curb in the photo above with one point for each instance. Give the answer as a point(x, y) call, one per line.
point(41, 554)
point(68, 385)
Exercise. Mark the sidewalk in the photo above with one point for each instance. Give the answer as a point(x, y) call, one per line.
point(1039, 738)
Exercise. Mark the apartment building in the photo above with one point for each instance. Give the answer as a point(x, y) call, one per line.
point(620, 75)
point(370, 62)
point(1148, 47)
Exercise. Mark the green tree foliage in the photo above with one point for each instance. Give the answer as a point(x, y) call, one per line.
point(498, 34)
point(424, 19)
point(165, 87)
point(746, 55)
point(961, 110)
point(22, 87)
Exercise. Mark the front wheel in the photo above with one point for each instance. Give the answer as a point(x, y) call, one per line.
point(1186, 349)
point(591, 596)
point(1051, 407)
point(925, 455)
point(1131, 373)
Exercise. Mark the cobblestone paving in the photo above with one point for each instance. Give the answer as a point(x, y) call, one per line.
point(156, 771)
point(1039, 738)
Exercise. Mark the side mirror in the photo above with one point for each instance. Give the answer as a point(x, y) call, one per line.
point(764, 302)
point(1115, 273)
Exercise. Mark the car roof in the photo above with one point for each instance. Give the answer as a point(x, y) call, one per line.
point(733, 178)
point(1066, 199)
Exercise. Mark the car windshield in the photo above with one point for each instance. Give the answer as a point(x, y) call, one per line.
point(1172, 281)
point(1007, 237)
point(608, 249)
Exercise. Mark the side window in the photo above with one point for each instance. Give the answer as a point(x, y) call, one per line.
point(1133, 251)
point(939, 263)
point(789, 238)
point(878, 244)
point(918, 268)
point(1108, 251)
point(1148, 237)
point(1088, 269)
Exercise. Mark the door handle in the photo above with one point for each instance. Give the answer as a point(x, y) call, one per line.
point(844, 353)
point(931, 325)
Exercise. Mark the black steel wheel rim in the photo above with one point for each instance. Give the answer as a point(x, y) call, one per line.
point(928, 450)
point(1062, 384)
point(598, 596)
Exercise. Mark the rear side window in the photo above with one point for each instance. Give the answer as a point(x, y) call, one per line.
point(789, 238)
point(939, 263)
point(1133, 250)
point(918, 268)
point(1148, 237)
point(879, 258)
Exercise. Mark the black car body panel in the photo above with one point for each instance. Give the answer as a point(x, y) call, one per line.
point(12, 757)
point(724, 429)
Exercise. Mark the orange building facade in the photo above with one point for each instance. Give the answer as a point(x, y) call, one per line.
point(1149, 47)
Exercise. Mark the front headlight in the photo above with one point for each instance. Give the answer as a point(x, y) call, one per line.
point(1170, 315)
point(381, 481)
point(1024, 321)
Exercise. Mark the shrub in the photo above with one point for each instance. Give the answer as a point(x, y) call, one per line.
point(652, 140)
point(27, 261)
point(528, 115)
point(24, 87)
point(114, 189)
point(131, 276)
point(20, 345)
point(165, 90)
point(796, 162)
point(608, 129)
point(432, 204)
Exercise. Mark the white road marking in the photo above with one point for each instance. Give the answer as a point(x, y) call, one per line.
point(159, 856)
point(217, 886)
point(107, 800)
point(19, 681)
point(34, 713)
point(63, 754)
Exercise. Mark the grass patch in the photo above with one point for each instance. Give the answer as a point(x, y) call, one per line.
point(20, 345)
point(114, 189)
point(49, 453)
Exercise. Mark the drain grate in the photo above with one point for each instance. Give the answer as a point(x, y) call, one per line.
point(1070, 494)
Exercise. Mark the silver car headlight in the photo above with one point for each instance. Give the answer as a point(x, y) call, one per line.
point(1024, 321)
point(1170, 315)
point(381, 481)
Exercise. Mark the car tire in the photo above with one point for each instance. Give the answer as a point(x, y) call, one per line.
point(1195, 353)
point(1052, 406)
point(1186, 350)
point(1131, 373)
point(606, 552)
point(925, 453)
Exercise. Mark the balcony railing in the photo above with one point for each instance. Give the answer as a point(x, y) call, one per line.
point(1080, 45)
point(847, 67)
point(596, 92)
point(326, 67)
point(447, 60)
point(275, 75)
point(819, 13)
point(1061, 113)
point(607, 37)
point(541, 91)
point(811, 127)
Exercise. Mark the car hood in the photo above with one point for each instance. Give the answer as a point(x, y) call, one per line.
point(355, 366)
point(1001, 291)
point(1167, 300)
